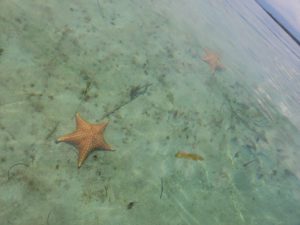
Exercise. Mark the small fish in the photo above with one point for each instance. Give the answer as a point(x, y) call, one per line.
point(187, 155)
point(130, 205)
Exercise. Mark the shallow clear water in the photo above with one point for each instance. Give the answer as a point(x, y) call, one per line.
point(137, 64)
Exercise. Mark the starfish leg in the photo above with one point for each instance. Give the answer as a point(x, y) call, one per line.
point(71, 138)
point(106, 146)
point(84, 150)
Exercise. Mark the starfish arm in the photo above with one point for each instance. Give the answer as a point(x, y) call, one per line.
point(81, 123)
point(84, 150)
point(102, 126)
point(73, 137)
point(206, 51)
point(205, 58)
point(104, 145)
point(221, 66)
point(99, 141)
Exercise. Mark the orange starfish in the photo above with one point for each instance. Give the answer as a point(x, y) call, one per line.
point(86, 138)
point(213, 59)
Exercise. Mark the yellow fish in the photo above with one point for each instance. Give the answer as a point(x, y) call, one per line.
point(187, 155)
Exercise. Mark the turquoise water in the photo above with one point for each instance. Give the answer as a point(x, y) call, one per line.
point(137, 64)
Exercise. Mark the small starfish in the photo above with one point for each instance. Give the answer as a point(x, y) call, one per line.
point(213, 59)
point(86, 137)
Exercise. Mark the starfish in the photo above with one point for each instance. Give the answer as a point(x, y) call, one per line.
point(86, 137)
point(213, 59)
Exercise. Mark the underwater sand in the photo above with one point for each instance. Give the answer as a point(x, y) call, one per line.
point(137, 64)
